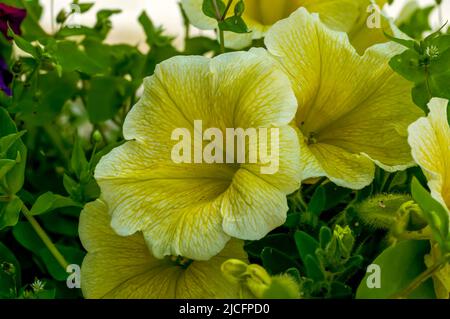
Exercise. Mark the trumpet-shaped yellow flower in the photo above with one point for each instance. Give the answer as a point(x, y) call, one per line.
point(429, 138)
point(192, 209)
point(123, 267)
point(354, 110)
point(349, 16)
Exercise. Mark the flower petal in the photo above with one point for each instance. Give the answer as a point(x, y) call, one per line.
point(122, 267)
point(429, 138)
point(252, 207)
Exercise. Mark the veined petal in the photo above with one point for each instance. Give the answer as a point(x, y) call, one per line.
point(286, 166)
point(429, 138)
point(123, 267)
point(348, 103)
point(343, 168)
point(252, 207)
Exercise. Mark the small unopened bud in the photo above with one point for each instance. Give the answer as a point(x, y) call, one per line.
point(234, 270)
point(258, 280)
point(97, 136)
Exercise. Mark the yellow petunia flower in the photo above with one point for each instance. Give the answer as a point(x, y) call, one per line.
point(354, 110)
point(429, 138)
point(123, 267)
point(349, 16)
point(192, 209)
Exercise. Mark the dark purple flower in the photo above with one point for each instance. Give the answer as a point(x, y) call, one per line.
point(12, 16)
point(5, 77)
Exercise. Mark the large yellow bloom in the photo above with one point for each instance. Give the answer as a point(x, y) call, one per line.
point(193, 209)
point(429, 138)
point(123, 267)
point(354, 110)
point(343, 15)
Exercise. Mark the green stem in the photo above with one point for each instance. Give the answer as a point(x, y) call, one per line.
point(226, 10)
point(418, 281)
point(222, 41)
point(44, 237)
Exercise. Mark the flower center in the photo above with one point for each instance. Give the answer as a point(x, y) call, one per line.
point(181, 261)
point(267, 12)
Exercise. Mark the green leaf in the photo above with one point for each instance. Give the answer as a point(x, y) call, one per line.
point(105, 97)
point(25, 235)
point(239, 8)
point(85, 7)
point(53, 92)
point(155, 36)
point(14, 179)
point(24, 45)
point(407, 65)
point(72, 255)
point(211, 11)
point(200, 46)
point(435, 214)
point(48, 202)
point(10, 273)
point(325, 236)
point(306, 245)
point(282, 242)
point(72, 58)
point(234, 24)
point(61, 224)
point(275, 261)
point(6, 142)
point(313, 269)
point(10, 212)
point(400, 265)
point(78, 162)
point(5, 166)
point(417, 23)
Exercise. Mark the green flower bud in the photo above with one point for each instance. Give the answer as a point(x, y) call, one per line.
point(258, 280)
point(234, 270)
point(380, 211)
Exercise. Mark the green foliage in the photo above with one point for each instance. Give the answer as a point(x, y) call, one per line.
point(426, 63)
point(399, 266)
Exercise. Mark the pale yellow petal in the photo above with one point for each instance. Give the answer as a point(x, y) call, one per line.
point(122, 267)
point(252, 207)
point(344, 168)
point(286, 166)
point(429, 138)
